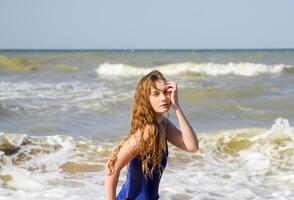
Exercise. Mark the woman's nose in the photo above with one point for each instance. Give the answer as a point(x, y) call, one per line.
point(163, 97)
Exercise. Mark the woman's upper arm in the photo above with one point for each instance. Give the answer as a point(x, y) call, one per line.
point(127, 152)
point(174, 136)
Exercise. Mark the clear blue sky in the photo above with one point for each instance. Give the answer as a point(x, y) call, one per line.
point(149, 24)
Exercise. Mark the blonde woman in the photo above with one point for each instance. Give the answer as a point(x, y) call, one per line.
point(145, 149)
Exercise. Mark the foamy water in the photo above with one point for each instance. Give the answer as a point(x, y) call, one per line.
point(210, 69)
point(46, 98)
point(255, 163)
point(62, 112)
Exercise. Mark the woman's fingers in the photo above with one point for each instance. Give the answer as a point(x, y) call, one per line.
point(171, 84)
point(172, 88)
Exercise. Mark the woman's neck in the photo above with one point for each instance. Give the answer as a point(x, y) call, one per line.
point(159, 118)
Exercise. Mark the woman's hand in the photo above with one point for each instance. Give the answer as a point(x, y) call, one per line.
point(173, 89)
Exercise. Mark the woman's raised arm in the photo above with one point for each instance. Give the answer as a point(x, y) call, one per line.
point(185, 138)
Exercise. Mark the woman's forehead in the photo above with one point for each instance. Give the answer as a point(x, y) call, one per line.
point(160, 85)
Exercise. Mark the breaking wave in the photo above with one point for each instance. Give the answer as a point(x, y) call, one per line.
point(241, 160)
point(209, 69)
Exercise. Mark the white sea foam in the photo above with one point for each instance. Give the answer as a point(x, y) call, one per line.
point(45, 98)
point(251, 163)
point(35, 171)
point(210, 69)
point(13, 141)
point(238, 164)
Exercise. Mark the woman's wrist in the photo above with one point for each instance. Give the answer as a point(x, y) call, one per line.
point(176, 107)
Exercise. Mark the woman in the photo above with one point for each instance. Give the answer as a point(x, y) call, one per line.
point(145, 148)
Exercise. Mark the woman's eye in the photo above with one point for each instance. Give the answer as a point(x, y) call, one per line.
point(166, 92)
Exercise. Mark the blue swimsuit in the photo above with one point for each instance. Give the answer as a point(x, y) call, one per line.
point(137, 186)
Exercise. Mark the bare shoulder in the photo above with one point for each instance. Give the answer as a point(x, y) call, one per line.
point(133, 142)
point(169, 126)
point(166, 122)
point(128, 149)
point(143, 133)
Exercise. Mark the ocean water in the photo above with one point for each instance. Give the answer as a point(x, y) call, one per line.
point(62, 113)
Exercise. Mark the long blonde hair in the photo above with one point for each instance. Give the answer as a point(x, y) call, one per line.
point(143, 116)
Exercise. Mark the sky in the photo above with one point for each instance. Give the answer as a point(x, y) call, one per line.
point(150, 24)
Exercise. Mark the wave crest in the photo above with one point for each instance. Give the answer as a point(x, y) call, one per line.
point(209, 69)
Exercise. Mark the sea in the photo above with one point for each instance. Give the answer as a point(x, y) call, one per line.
point(63, 111)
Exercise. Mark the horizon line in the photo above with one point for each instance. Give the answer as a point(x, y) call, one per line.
point(147, 49)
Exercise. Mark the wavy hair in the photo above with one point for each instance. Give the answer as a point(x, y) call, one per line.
point(144, 119)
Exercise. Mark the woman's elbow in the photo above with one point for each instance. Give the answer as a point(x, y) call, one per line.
point(194, 149)
point(107, 168)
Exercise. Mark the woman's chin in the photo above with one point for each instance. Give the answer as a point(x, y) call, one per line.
point(164, 110)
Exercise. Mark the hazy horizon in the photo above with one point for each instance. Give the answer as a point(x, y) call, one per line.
point(90, 49)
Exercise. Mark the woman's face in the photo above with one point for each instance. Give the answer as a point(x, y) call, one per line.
point(160, 97)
